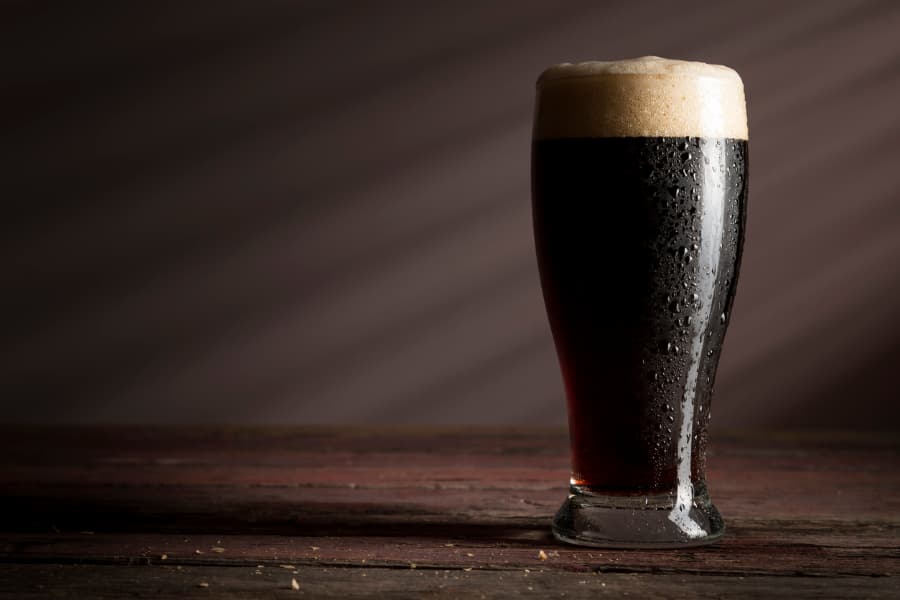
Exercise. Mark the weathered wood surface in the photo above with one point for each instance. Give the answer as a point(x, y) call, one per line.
point(90, 512)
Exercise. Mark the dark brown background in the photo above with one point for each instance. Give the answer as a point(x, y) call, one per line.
point(319, 212)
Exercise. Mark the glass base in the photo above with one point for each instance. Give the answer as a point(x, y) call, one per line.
point(589, 519)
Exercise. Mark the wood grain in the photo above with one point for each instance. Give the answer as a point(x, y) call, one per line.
point(92, 511)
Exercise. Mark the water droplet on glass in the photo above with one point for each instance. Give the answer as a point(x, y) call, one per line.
point(722, 318)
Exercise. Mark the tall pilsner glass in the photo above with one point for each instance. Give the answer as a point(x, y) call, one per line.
point(639, 179)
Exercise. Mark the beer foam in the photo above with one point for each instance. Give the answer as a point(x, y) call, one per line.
point(640, 97)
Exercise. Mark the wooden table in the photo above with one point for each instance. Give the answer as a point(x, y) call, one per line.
point(400, 512)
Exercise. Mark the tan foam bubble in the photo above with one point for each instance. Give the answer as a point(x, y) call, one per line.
point(640, 97)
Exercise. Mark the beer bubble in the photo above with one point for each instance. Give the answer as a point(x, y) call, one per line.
point(692, 101)
point(722, 318)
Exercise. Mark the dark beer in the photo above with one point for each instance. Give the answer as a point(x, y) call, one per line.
point(619, 224)
point(639, 207)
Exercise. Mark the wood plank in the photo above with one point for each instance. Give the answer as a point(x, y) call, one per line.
point(808, 505)
point(749, 550)
point(108, 582)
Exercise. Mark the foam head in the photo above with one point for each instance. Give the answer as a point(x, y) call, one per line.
point(640, 97)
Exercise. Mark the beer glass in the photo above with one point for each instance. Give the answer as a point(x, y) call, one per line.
point(639, 194)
